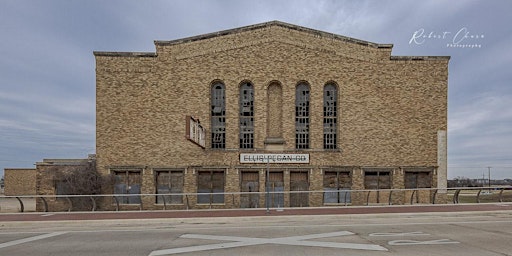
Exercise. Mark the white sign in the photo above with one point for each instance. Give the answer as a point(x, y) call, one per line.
point(275, 158)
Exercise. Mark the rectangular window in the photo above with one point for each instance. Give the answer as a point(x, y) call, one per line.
point(299, 181)
point(210, 186)
point(169, 182)
point(218, 132)
point(275, 185)
point(377, 179)
point(249, 182)
point(128, 183)
point(246, 132)
point(329, 133)
point(418, 179)
point(337, 184)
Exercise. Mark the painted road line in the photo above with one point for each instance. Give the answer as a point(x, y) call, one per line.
point(202, 248)
point(30, 239)
point(414, 242)
point(247, 241)
point(416, 233)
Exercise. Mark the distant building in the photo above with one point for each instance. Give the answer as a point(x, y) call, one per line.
point(19, 181)
point(52, 179)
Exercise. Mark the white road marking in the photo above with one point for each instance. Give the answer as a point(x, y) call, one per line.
point(30, 239)
point(414, 242)
point(416, 233)
point(247, 241)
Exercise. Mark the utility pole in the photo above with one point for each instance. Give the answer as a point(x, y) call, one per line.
point(489, 176)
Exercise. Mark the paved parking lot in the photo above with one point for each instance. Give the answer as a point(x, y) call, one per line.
point(442, 233)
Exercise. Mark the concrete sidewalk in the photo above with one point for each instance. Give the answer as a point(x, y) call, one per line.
point(66, 216)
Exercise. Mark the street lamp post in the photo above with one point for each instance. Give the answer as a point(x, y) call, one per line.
point(267, 185)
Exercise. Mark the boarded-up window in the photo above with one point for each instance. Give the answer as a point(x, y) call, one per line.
point(275, 186)
point(210, 186)
point(377, 179)
point(128, 182)
point(299, 182)
point(418, 179)
point(249, 183)
point(169, 182)
point(336, 186)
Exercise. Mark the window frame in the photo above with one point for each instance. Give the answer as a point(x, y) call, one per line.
point(417, 181)
point(213, 199)
point(379, 173)
point(302, 116)
point(170, 199)
point(246, 118)
point(330, 116)
point(218, 115)
point(344, 194)
point(128, 174)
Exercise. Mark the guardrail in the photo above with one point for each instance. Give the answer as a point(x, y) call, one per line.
point(470, 194)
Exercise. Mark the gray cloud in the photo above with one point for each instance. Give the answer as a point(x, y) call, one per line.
point(47, 79)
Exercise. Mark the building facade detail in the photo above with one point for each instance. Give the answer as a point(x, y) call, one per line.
point(285, 109)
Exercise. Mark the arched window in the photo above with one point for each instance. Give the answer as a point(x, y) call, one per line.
point(247, 115)
point(330, 114)
point(218, 115)
point(302, 116)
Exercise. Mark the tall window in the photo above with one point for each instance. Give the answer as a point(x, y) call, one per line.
point(246, 116)
point(128, 182)
point(169, 182)
point(302, 116)
point(210, 186)
point(330, 113)
point(218, 115)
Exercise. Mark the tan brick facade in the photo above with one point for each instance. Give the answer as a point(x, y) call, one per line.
point(390, 108)
point(48, 174)
point(20, 182)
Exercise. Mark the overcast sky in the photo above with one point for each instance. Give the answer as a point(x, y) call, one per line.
point(47, 77)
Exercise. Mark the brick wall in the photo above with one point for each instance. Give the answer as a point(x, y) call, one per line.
point(19, 182)
point(389, 108)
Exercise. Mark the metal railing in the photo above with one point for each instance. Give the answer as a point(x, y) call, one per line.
point(366, 197)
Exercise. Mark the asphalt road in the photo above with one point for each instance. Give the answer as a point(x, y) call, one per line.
point(467, 233)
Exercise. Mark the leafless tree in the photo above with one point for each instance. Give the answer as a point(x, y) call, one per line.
point(81, 179)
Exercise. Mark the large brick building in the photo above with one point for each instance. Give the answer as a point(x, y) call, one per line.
point(279, 105)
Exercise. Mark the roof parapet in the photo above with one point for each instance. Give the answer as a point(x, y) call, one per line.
point(124, 54)
point(269, 24)
point(420, 58)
